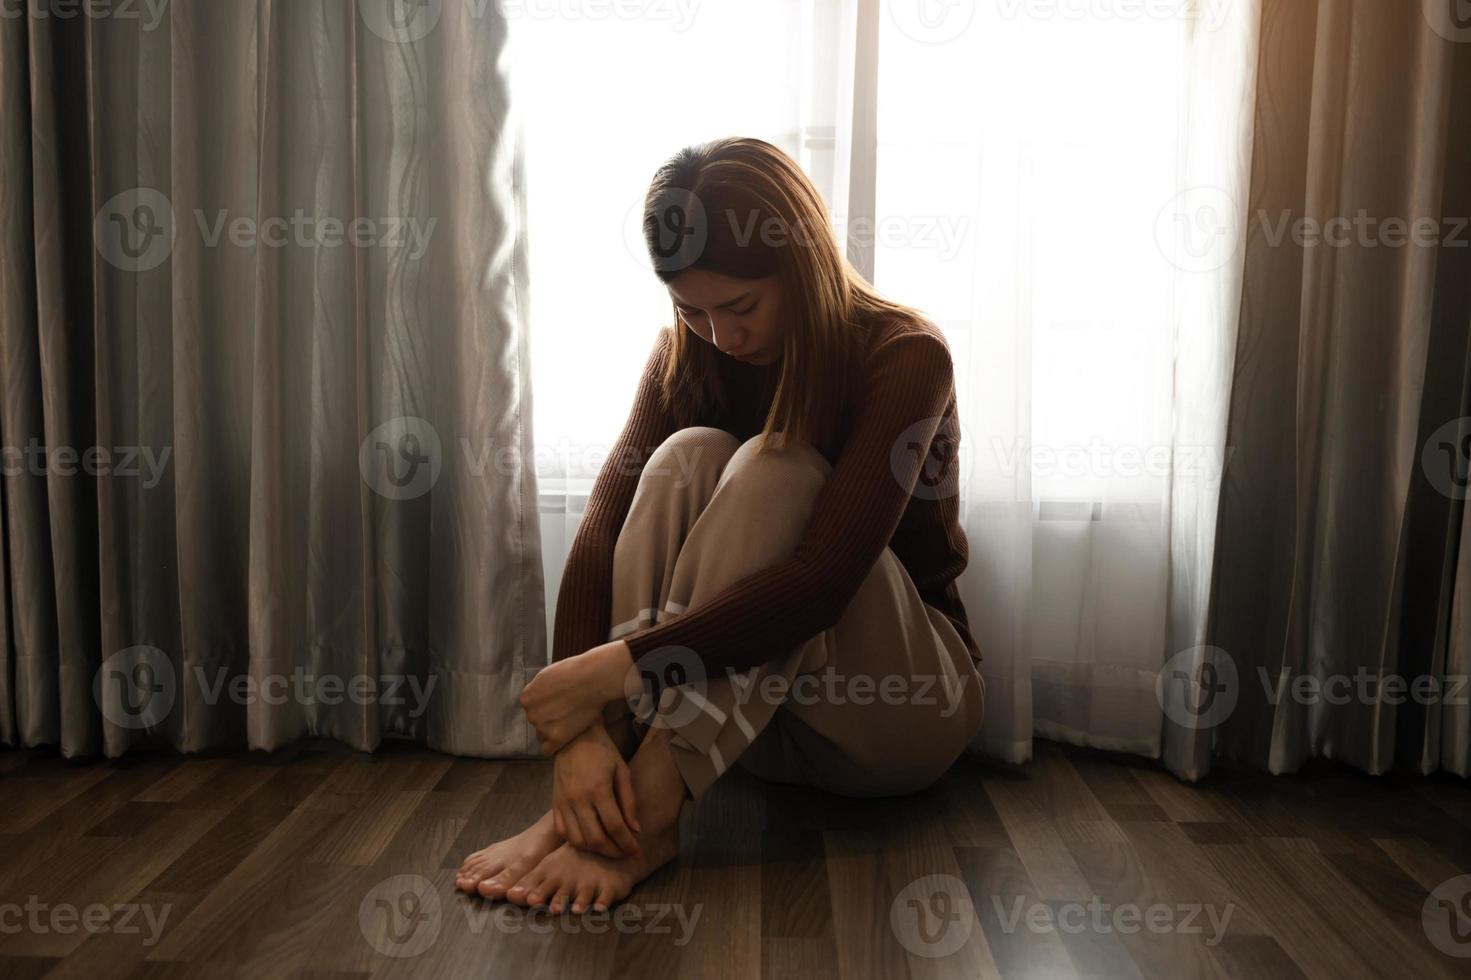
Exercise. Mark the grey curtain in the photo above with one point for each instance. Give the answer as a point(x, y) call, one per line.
point(1343, 554)
point(265, 408)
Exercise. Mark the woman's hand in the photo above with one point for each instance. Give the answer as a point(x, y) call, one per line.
point(566, 698)
point(592, 796)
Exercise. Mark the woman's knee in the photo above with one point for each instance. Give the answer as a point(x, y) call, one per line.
point(795, 469)
point(737, 489)
point(781, 447)
point(690, 453)
point(704, 448)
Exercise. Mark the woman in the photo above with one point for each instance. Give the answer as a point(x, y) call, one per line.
point(765, 574)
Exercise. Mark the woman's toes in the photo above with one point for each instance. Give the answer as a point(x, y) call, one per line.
point(520, 892)
point(582, 899)
point(541, 893)
point(559, 901)
point(498, 883)
point(604, 899)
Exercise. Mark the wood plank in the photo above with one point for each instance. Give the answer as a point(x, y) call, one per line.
point(362, 833)
point(125, 950)
point(105, 875)
point(250, 888)
point(1166, 932)
point(1003, 896)
point(798, 959)
point(1050, 866)
point(1427, 865)
point(929, 907)
point(970, 817)
point(725, 905)
point(23, 852)
point(1182, 801)
point(1253, 871)
point(1387, 944)
point(428, 836)
point(796, 902)
point(27, 967)
point(13, 759)
point(866, 943)
point(30, 799)
point(1171, 857)
point(1255, 956)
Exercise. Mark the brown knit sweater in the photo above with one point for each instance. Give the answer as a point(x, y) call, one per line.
point(878, 495)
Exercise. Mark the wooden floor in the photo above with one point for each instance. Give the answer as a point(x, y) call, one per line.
point(320, 861)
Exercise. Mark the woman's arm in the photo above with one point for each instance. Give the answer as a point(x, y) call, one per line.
point(585, 598)
point(566, 698)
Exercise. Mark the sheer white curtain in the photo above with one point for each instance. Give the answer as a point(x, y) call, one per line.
point(1056, 183)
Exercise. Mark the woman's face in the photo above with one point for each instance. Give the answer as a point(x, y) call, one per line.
point(742, 317)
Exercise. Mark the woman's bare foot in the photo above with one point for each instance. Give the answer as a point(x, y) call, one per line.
point(568, 877)
point(491, 871)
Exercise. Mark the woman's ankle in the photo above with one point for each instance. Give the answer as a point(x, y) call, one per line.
point(657, 781)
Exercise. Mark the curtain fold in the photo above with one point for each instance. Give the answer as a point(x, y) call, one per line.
point(262, 261)
point(1217, 103)
point(1342, 564)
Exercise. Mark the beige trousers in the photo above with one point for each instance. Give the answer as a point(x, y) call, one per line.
point(880, 704)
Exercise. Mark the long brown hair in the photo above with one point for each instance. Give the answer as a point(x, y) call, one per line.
point(741, 207)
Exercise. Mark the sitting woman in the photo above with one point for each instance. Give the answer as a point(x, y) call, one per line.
point(765, 575)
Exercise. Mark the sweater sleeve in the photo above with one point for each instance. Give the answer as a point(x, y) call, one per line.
point(910, 381)
point(585, 598)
